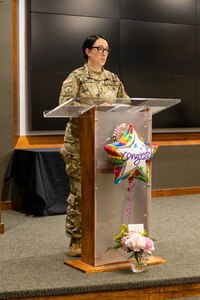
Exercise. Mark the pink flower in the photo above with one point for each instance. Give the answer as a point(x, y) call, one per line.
point(123, 243)
point(149, 245)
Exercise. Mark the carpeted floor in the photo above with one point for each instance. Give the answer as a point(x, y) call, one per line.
point(32, 251)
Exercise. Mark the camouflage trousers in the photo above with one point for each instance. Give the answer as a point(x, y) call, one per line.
point(71, 155)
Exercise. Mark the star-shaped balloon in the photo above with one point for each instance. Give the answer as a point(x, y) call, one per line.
point(131, 156)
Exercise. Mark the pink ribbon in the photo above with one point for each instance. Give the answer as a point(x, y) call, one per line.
point(130, 183)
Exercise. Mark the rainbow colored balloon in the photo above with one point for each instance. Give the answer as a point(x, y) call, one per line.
point(131, 156)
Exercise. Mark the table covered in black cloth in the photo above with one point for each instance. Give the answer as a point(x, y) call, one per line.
point(41, 180)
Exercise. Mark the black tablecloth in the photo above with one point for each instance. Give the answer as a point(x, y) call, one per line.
point(41, 179)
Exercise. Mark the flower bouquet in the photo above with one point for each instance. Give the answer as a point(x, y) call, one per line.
point(137, 244)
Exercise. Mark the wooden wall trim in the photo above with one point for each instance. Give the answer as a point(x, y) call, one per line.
point(176, 139)
point(45, 141)
point(1, 228)
point(176, 192)
point(15, 205)
point(56, 141)
point(5, 205)
point(1, 225)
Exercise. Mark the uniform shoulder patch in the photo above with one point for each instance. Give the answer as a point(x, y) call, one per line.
point(68, 89)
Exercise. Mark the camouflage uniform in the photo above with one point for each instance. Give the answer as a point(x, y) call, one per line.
point(82, 83)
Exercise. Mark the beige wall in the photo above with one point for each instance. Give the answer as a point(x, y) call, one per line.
point(176, 167)
point(6, 86)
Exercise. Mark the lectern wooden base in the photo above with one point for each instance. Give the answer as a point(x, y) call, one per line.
point(78, 264)
point(1, 228)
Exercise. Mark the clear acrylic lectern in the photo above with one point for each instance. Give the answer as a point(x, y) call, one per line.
point(104, 203)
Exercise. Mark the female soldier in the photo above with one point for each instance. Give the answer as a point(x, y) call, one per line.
point(93, 81)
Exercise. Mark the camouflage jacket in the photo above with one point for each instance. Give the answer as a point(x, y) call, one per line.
point(84, 83)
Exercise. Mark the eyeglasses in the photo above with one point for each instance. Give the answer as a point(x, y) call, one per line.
point(101, 49)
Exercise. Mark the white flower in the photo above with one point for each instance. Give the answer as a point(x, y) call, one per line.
point(135, 242)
